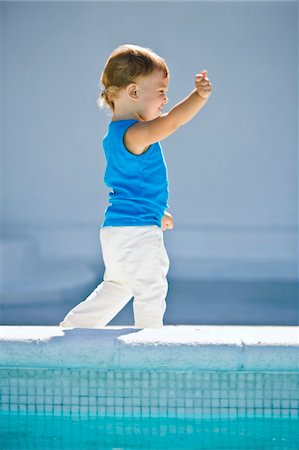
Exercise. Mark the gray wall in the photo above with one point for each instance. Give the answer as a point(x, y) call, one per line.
point(297, 256)
point(1, 113)
point(232, 169)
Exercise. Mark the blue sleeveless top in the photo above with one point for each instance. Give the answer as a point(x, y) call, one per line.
point(139, 182)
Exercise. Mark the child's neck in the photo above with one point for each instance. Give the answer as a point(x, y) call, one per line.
point(124, 110)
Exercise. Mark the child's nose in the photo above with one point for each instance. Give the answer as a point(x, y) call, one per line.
point(166, 100)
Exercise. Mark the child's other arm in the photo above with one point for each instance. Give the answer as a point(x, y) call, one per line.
point(143, 134)
point(166, 221)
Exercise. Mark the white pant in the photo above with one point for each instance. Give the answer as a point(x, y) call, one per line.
point(136, 265)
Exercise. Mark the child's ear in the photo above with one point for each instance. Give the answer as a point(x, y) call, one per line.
point(132, 91)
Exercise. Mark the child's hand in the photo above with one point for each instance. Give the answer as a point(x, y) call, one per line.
point(203, 84)
point(167, 221)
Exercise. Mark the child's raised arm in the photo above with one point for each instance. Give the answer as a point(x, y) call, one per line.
point(143, 134)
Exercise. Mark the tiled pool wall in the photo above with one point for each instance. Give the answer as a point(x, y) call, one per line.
point(149, 393)
point(179, 371)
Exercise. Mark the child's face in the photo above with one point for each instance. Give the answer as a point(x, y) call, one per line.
point(152, 95)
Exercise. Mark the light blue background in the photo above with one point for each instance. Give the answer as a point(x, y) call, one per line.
point(233, 169)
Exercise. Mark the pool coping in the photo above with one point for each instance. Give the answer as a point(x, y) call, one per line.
point(173, 347)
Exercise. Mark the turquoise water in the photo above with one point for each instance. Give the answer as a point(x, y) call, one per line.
point(42, 432)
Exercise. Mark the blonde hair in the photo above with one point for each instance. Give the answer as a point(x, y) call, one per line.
point(125, 65)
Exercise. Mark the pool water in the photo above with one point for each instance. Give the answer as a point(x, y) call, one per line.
point(20, 431)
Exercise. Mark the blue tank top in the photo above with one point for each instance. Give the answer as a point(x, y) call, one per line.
point(139, 182)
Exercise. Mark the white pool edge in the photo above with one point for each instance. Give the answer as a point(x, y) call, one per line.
point(179, 347)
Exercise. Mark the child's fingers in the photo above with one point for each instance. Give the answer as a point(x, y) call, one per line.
point(205, 75)
point(202, 75)
point(199, 78)
point(202, 82)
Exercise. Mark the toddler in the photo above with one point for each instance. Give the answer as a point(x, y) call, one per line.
point(136, 81)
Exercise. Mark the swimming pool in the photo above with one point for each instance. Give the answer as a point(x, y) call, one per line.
point(181, 387)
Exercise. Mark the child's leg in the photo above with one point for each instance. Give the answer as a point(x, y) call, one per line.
point(103, 304)
point(148, 264)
